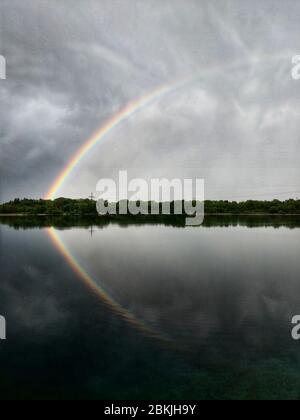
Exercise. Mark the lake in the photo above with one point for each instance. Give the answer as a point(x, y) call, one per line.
point(110, 310)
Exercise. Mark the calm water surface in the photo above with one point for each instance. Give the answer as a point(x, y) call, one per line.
point(150, 311)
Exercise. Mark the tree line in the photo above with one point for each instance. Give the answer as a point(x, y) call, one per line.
point(67, 206)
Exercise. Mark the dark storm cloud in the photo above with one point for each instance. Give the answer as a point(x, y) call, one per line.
point(71, 65)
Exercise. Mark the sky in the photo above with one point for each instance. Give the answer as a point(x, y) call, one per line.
point(73, 64)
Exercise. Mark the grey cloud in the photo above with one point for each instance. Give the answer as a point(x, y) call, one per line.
point(71, 65)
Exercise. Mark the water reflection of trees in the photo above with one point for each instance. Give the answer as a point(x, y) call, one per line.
point(85, 222)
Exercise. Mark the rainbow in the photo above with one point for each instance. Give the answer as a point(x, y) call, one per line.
point(134, 107)
point(123, 115)
point(104, 130)
point(99, 291)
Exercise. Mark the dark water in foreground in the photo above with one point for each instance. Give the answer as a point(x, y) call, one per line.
point(150, 311)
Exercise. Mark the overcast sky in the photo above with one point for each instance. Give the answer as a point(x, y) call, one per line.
point(71, 64)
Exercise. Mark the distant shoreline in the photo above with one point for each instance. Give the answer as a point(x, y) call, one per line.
point(174, 209)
